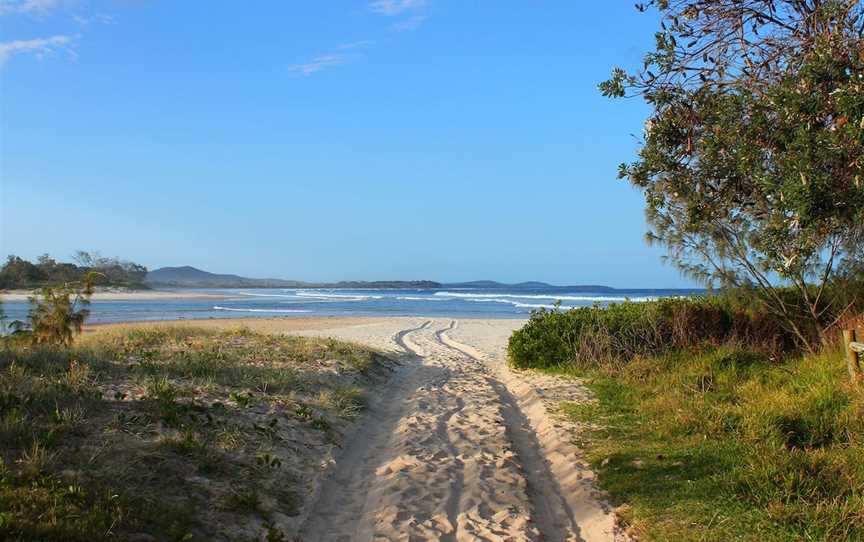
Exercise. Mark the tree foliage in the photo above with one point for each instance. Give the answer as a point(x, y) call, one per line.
point(20, 273)
point(752, 163)
point(59, 312)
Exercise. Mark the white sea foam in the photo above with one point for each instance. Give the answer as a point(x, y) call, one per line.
point(487, 300)
point(428, 298)
point(307, 300)
point(218, 308)
point(542, 306)
point(517, 303)
point(348, 297)
point(563, 297)
point(265, 295)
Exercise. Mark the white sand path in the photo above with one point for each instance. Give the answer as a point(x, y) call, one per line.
point(459, 448)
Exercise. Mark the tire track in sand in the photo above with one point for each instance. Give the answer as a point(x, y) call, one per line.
point(448, 454)
point(553, 518)
point(558, 480)
point(338, 509)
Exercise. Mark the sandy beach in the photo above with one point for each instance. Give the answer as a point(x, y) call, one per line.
point(455, 447)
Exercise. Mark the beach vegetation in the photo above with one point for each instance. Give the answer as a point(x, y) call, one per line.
point(58, 312)
point(752, 160)
point(19, 273)
point(732, 416)
point(605, 338)
point(91, 432)
point(711, 421)
point(722, 443)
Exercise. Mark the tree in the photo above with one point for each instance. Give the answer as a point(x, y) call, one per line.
point(17, 271)
point(117, 272)
point(59, 312)
point(752, 163)
point(85, 259)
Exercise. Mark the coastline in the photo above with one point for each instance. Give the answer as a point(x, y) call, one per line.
point(292, 324)
point(142, 295)
point(255, 323)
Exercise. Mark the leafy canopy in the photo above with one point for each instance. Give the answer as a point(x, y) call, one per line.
point(20, 273)
point(752, 163)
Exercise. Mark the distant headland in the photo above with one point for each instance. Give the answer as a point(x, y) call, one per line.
point(191, 277)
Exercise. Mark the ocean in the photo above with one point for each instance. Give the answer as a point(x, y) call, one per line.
point(290, 302)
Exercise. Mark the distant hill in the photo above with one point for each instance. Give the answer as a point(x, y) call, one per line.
point(476, 284)
point(491, 284)
point(191, 277)
point(378, 284)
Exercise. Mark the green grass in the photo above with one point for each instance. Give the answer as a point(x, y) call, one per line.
point(723, 444)
point(164, 430)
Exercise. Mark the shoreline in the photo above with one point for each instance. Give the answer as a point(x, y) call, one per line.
point(140, 295)
point(280, 325)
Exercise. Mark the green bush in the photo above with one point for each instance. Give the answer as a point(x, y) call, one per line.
point(609, 337)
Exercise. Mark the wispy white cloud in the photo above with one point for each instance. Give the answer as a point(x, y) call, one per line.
point(343, 54)
point(39, 7)
point(73, 12)
point(317, 64)
point(395, 7)
point(39, 47)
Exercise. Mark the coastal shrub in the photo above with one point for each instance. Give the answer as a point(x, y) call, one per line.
point(58, 313)
point(710, 420)
point(612, 336)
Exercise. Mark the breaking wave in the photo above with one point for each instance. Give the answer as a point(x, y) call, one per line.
point(542, 306)
point(346, 297)
point(518, 304)
point(265, 295)
point(218, 308)
point(563, 297)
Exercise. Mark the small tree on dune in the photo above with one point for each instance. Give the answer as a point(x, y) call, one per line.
point(58, 313)
point(752, 163)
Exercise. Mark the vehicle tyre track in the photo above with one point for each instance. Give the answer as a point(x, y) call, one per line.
point(338, 510)
point(451, 453)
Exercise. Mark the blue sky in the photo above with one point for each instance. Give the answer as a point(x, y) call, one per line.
point(436, 139)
